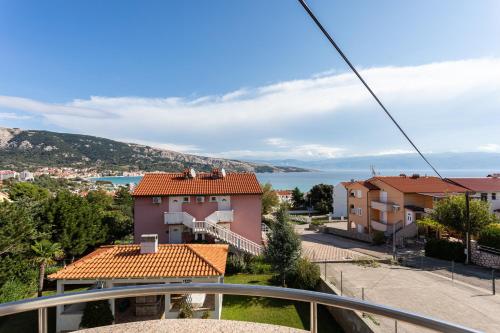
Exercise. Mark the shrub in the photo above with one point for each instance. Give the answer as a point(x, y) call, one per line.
point(186, 309)
point(97, 314)
point(258, 265)
point(306, 275)
point(317, 222)
point(490, 236)
point(205, 314)
point(235, 264)
point(444, 249)
point(378, 238)
point(14, 290)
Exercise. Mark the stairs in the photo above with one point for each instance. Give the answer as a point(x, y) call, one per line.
point(223, 234)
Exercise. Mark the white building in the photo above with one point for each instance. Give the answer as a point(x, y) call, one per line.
point(484, 188)
point(7, 174)
point(285, 196)
point(147, 263)
point(26, 176)
point(339, 204)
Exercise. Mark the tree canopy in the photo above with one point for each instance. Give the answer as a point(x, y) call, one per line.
point(298, 198)
point(269, 198)
point(321, 197)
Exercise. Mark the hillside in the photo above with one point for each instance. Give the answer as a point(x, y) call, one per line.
point(28, 149)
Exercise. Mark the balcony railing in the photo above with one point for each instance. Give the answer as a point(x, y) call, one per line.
point(178, 218)
point(221, 216)
point(313, 298)
point(384, 206)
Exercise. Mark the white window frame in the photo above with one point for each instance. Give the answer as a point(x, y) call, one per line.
point(156, 200)
point(213, 198)
point(186, 199)
point(200, 199)
point(359, 194)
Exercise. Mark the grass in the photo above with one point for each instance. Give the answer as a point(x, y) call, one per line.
point(271, 310)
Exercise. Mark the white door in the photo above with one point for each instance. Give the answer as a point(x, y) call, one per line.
point(175, 235)
point(383, 196)
point(175, 204)
point(224, 203)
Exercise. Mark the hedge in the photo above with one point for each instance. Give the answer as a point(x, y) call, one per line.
point(490, 236)
point(444, 249)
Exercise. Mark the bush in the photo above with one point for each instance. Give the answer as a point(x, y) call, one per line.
point(490, 236)
point(306, 275)
point(97, 314)
point(186, 309)
point(378, 238)
point(258, 265)
point(444, 249)
point(14, 290)
point(235, 264)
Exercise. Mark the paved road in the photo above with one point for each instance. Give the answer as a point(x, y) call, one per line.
point(417, 291)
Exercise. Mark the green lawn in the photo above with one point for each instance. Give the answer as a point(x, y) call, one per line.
point(271, 310)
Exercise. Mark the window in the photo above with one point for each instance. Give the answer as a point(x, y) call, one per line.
point(352, 193)
point(200, 199)
point(359, 193)
point(185, 199)
point(493, 196)
point(213, 199)
point(359, 211)
point(484, 196)
point(157, 200)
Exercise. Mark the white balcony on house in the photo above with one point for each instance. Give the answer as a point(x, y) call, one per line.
point(384, 206)
point(177, 218)
point(221, 216)
point(376, 225)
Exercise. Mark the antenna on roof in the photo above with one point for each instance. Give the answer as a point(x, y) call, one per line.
point(223, 173)
point(192, 173)
point(372, 168)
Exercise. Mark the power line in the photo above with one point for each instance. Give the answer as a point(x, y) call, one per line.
point(327, 35)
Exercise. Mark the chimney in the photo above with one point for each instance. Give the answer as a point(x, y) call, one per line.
point(215, 173)
point(415, 176)
point(149, 243)
point(189, 173)
point(402, 175)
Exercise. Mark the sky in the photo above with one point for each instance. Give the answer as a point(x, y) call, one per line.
point(255, 79)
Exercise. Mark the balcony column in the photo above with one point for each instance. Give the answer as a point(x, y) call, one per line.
point(218, 301)
point(109, 284)
point(59, 308)
point(167, 304)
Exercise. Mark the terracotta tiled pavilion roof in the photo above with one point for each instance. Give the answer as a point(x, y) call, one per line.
point(156, 184)
point(126, 262)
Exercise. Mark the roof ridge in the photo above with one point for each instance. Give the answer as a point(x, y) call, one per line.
point(192, 248)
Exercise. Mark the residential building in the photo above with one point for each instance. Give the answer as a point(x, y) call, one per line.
point(7, 174)
point(182, 207)
point(26, 176)
point(391, 203)
point(339, 204)
point(284, 196)
point(145, 263)
point(484, 188)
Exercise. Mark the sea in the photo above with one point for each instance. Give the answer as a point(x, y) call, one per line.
point(305, 180)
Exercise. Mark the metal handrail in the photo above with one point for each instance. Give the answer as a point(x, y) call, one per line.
point(314, 298)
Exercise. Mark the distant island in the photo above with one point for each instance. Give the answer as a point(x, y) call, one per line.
point(33, 149)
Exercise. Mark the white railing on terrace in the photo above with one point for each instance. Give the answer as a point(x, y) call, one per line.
point(313, 298)
point(221, 216)
point(178, 218)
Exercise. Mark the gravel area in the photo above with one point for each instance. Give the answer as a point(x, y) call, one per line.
point(191, 325)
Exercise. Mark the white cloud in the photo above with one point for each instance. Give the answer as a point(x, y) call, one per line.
point(13, 116)
point(303, 152)
point(164, 145)
point(423, 96)
point(490, 148)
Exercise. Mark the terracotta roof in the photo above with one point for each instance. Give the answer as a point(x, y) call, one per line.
point(426, 184)
point(126, 262)
point(364, 183)
point(484, 184)
point(203, 184)
point(283, 192)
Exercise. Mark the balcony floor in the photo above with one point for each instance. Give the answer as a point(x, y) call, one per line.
point(191, 325)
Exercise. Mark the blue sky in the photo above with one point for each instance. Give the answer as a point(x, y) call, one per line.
point(254, 79)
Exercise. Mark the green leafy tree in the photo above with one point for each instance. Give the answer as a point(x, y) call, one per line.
point(269, 198)
point(17, 228)
point(321, 198)
point(45, 254)
point(24, 190)
point(283, 246)
point(76, 224)
point(451, 213)
point(96, 314)
point(298, 198)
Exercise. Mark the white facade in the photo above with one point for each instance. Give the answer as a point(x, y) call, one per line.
point(26, 176)
point(339, 201)
point(68, 317)
point(7, 174)
point(493, 200)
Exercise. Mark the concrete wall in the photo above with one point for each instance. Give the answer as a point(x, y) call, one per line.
point(349, 320)
point(149, 217)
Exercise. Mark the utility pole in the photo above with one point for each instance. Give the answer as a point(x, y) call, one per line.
point(467, 234)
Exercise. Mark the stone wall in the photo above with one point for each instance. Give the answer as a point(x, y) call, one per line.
point(347, 234)
point(483, 258)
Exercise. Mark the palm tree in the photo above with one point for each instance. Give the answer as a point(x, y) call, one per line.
point(46, 254)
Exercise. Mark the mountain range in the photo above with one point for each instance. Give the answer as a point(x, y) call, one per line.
point(442, 161)
point(29, 149)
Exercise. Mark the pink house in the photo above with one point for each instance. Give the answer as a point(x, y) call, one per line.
point(186, 207)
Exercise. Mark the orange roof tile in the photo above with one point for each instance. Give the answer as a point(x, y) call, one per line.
point(126, 262)
point(483, 184)
point(203, 184)
point(425, 184)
